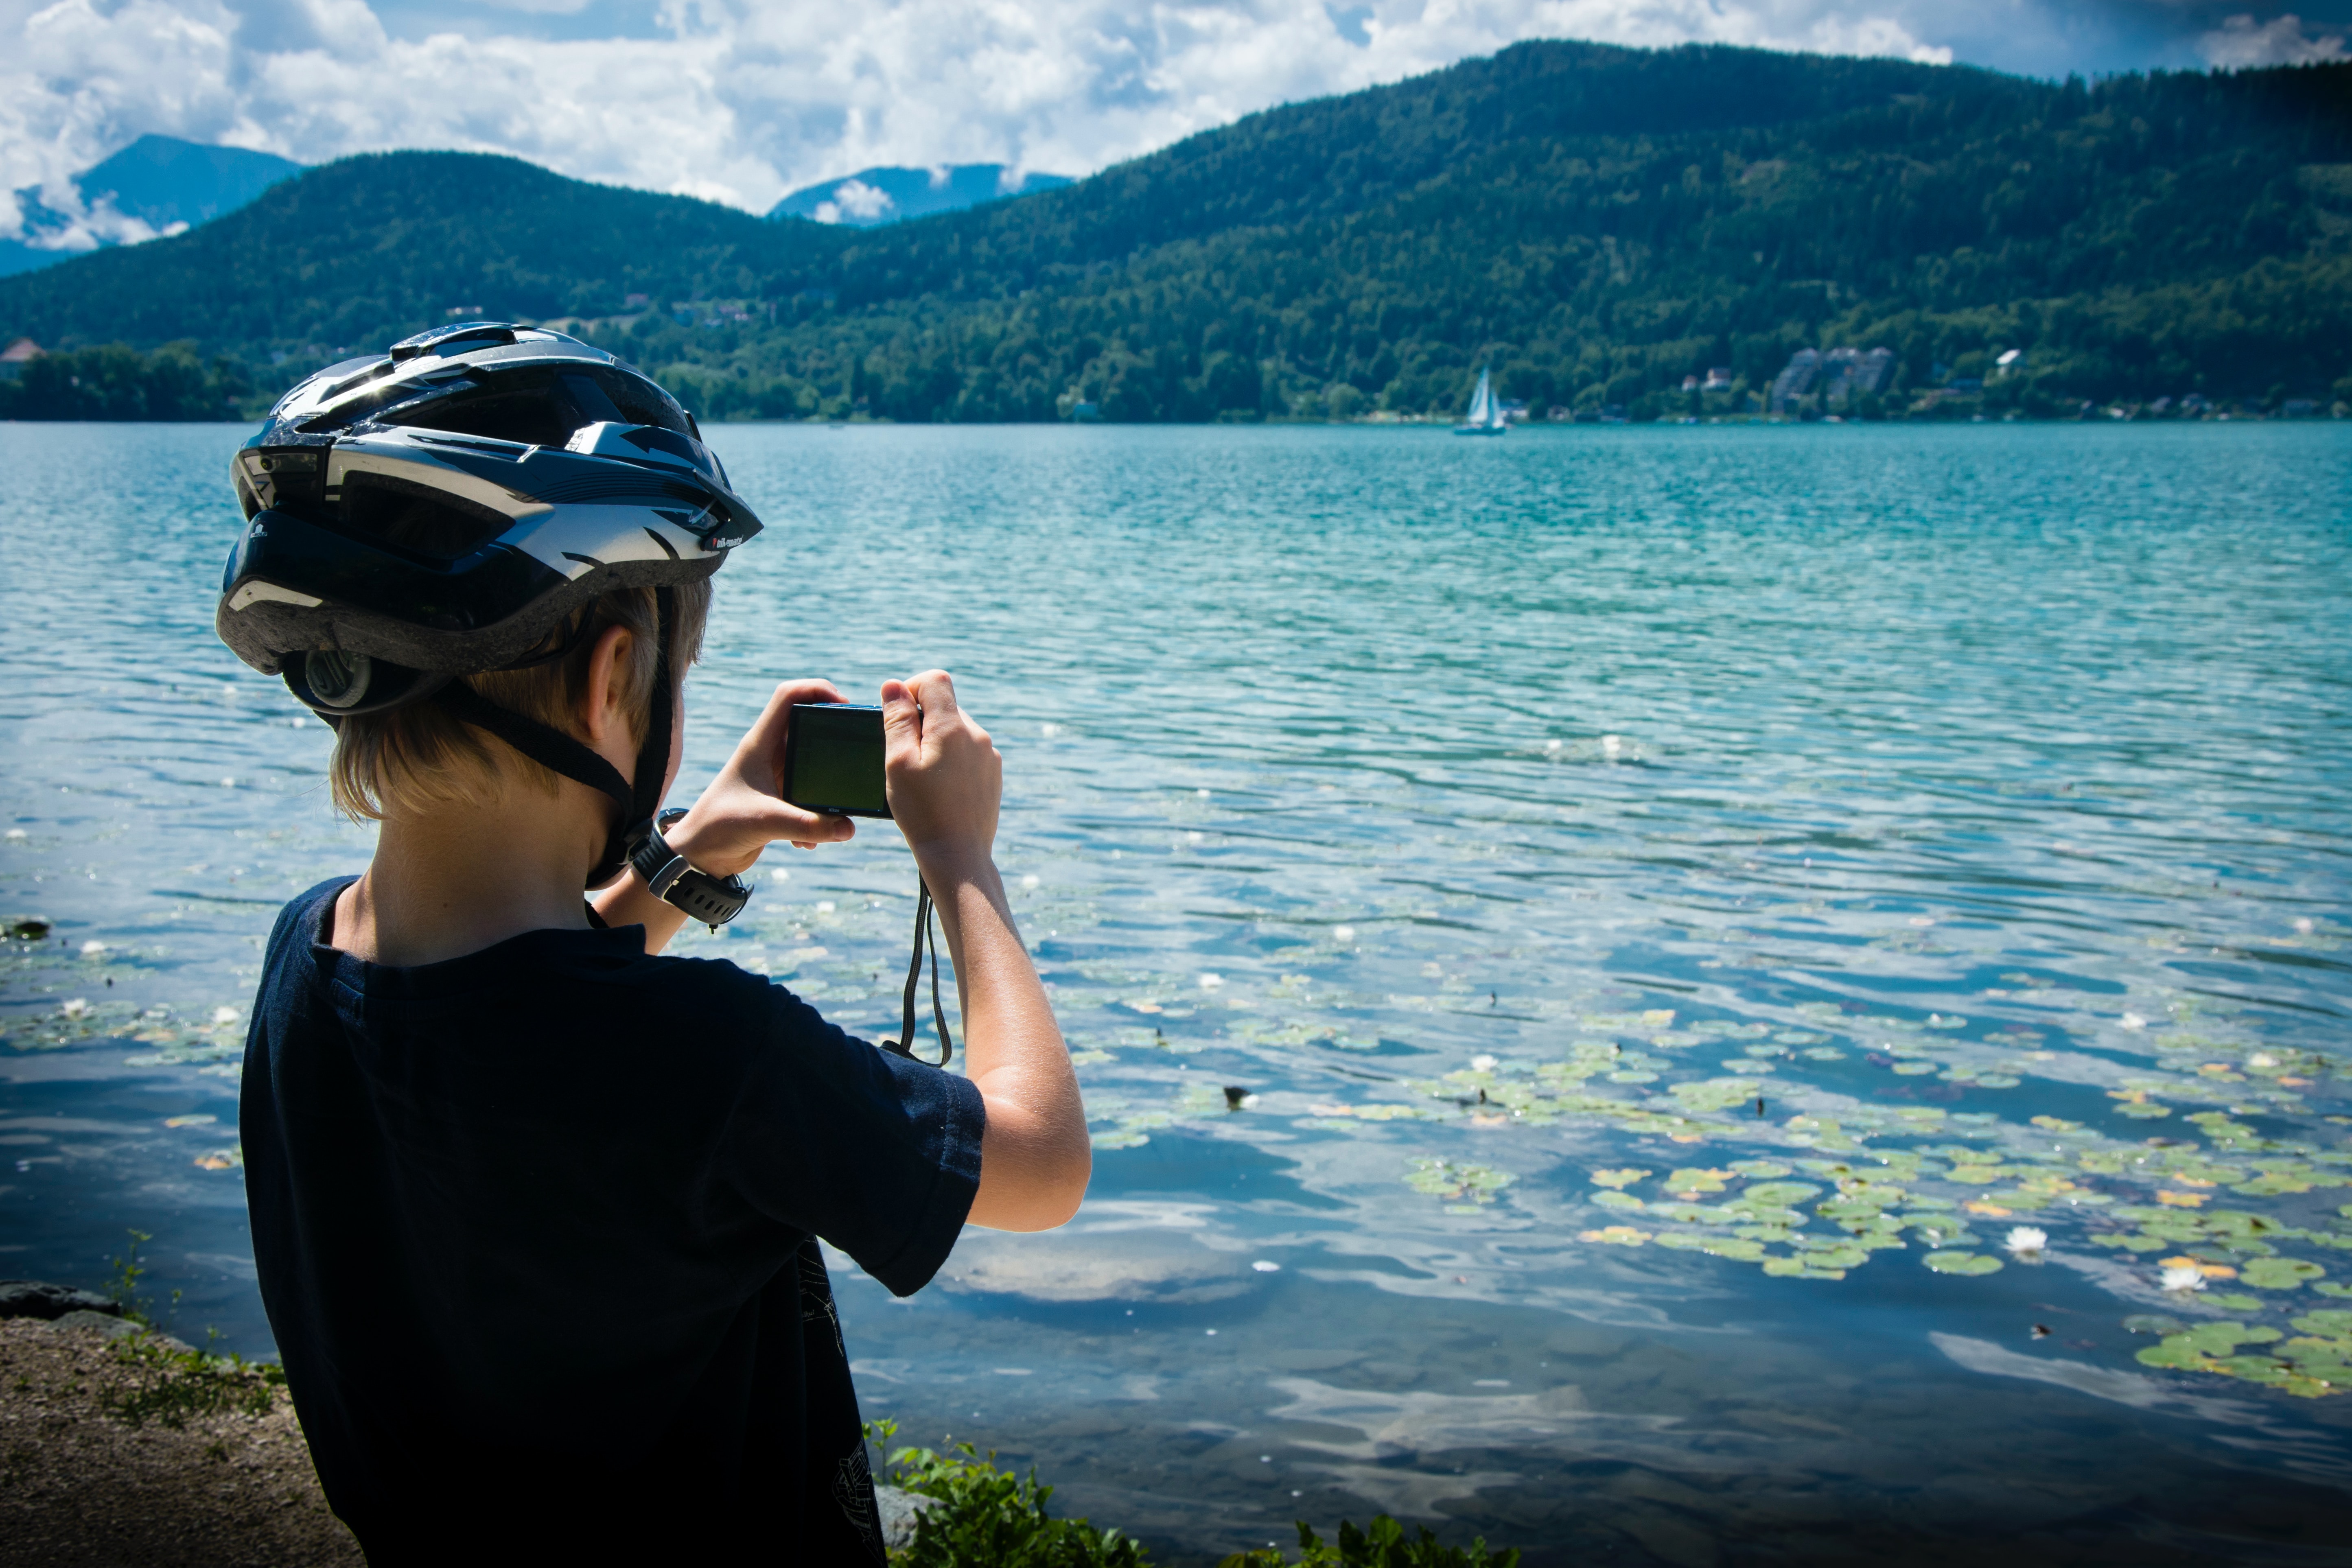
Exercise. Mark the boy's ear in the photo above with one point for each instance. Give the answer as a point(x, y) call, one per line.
point(604, 713)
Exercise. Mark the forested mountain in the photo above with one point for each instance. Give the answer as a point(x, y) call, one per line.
point(872, 198)
point(158, 182)
point(1598, 222)
point(385, 243)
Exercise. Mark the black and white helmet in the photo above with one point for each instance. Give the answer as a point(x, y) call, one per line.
point(440, 509)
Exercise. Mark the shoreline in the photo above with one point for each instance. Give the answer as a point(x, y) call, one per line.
point(84, 1488)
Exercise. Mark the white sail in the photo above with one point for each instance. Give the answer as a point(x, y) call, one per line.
point(1486, 416)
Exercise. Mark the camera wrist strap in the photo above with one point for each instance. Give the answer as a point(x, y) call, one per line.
point(924, 938)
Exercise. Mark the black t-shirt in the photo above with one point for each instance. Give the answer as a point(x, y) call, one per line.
point(536, 1230)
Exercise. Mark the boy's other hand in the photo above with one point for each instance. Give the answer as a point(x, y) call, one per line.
point(944, 775)
point(744, 811)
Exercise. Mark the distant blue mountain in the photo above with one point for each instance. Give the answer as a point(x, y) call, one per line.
point(871, 197)
point(155, 186)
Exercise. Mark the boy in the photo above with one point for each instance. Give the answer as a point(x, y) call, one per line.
point(535, 1209)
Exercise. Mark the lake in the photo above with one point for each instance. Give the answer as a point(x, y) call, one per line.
point(1585, 952)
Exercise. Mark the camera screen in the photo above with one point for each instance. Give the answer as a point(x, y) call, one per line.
point(834, 760)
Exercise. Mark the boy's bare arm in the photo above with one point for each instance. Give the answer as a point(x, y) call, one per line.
point(737, 817)
point(945, 781)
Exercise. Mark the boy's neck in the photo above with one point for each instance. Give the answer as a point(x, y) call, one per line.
point(457, 880)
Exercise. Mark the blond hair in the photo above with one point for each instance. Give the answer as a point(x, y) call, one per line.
point(413, 758)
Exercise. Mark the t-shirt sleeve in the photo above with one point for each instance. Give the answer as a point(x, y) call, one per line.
point(877, 1155)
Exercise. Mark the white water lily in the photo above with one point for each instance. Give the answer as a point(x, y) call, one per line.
point(1343, 934)
point(2025, 1242)
point(224, 1015)
point(92, 949)
point(76, 1008)
point(1482, 1064)
point(1211, 982)
point(2134, 1021)
point(2182, 1278)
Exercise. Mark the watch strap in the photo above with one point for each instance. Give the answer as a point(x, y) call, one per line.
point(669, 876)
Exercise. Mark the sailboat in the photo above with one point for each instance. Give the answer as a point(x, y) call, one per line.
point(1486, 416)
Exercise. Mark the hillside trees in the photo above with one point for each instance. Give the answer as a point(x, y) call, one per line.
point(1596, 224)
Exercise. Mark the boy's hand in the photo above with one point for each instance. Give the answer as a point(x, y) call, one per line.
point(944, 776)
point(744, 811)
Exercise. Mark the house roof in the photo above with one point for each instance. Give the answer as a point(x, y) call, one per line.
point(20, 350)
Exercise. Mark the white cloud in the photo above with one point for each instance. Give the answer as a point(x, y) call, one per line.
point(855, 199)
point(70, 224)
point(740, 100)
point(2240, 42)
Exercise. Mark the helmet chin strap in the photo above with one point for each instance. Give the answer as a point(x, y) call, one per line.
point(554, 750)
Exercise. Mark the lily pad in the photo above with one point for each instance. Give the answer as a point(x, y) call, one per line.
point(1777, 1194)
point(1450, 1179)
point(1839, 1258)
point(1961, 1263)
point(2279, 1273)
point(1618, 1235)
point(1626, 1177)
point(1716, 1094)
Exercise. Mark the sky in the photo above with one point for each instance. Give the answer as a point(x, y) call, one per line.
point(743, 101)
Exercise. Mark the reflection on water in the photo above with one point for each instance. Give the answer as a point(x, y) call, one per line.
point(1642, 992)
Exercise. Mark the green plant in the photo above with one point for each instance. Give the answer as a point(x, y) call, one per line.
point(1383, 1545)
point(982, 1515)
point(173, 1386)
point(122, 1285)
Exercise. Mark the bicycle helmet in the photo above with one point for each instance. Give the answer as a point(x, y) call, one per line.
point(441, 509)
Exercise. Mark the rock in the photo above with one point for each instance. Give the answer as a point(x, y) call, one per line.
point(97, 1322)
point(39, 1299)
point(115, 1328)
point(899, 1509)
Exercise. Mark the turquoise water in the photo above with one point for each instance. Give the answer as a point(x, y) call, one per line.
point(1811, 833)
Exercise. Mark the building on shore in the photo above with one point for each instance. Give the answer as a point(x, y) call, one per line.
point(20, 353)
point(1840, 376)
point(1795, 380)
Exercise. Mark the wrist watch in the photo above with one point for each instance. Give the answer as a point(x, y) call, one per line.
point(713, 901)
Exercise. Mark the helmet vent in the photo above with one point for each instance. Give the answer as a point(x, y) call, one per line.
point(417, 518)
point(473, 335)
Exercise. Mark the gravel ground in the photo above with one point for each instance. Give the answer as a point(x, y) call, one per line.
point(79, 1486)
